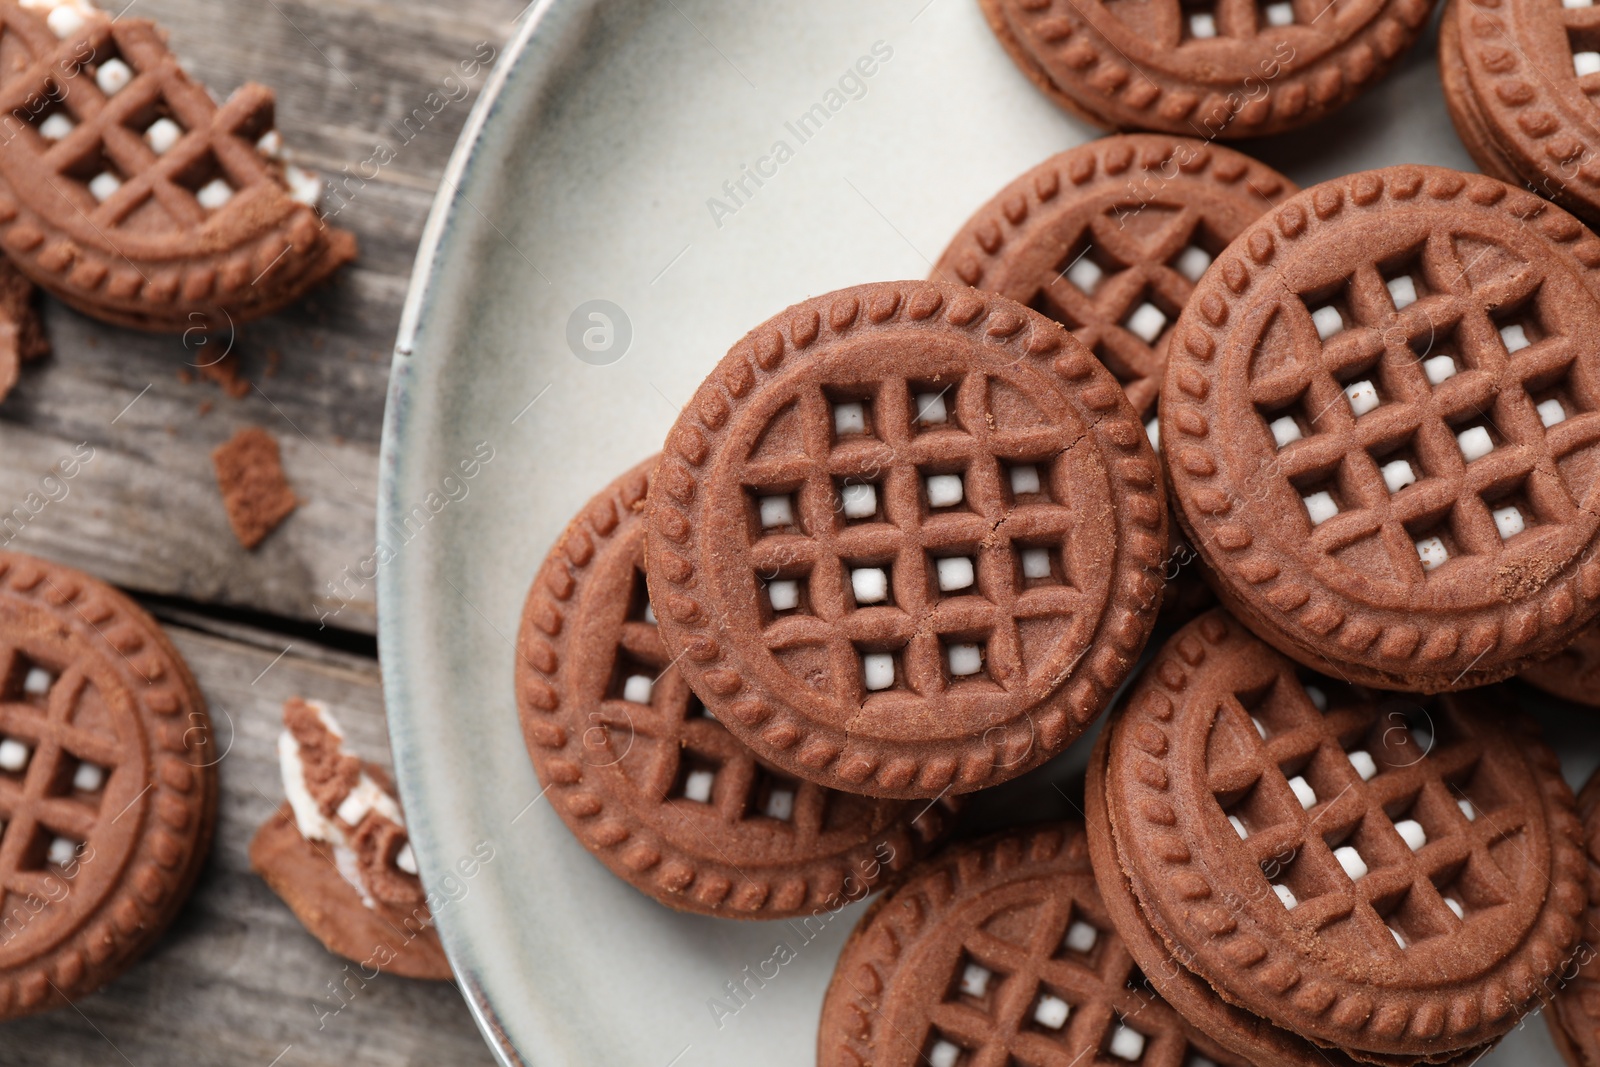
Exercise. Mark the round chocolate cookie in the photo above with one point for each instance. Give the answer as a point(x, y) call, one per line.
point(1109, 239)
point(647, 779)
point(108, 783)
point(1382, 427)
point(1574, 1015)
point(1398, 877)
point(1573, 673)
point(906, 539)
point(129, 193)
point(1000, 948)
point(1520, 79)
point(1211, 70)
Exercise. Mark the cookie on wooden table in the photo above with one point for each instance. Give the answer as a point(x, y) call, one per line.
point(108, 784)
point(1209, 69)
point(1381, 423)
point(129, 193)
point(907, 539)
point(338, 854)
point(648, 779)
point(1301, 865)
point(1000, 951)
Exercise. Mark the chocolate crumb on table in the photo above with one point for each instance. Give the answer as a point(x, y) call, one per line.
point(254, 489)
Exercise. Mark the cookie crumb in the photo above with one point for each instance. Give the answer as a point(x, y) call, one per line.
point(225, 372)
point(254, 489)
point(1524, 577)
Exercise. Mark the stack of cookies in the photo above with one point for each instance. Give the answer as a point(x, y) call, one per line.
point(908, 540)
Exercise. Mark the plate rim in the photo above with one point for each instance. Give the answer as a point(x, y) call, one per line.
point(421, 291)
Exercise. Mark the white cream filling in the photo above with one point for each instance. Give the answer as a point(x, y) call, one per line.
point(314, 826)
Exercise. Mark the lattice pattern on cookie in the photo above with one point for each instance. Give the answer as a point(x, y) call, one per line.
point(53, 773)
point(1062, 986)
point(1203, 20)
point(133, 147)
point(1428, 424)
point(658, 732)
point(929, 565)
point(1122, 285)
point(1376, 822)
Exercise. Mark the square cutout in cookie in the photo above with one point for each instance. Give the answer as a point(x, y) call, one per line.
point(1193, 261)
point(696, 780)
point(1081, 938)
point(1147, 321)
point(1277, 14)
point(1520, 325)
point(869, 584)
point(933, 403)
point(1039, 563)
point(632, 679)
point(773, 511)
point(1049, 1012)
point(851, 413)
point(1123, 1043)
point(858, 500)
point(964, 658)
point(787, 594)
point(943, 1051)
point(881, 669)
point(944, 490)
point(772, 796)
point(955, 575)
point(15, 755)
point(975, 983)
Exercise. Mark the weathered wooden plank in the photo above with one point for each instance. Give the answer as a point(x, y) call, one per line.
point(237, 980)
point(354, 79)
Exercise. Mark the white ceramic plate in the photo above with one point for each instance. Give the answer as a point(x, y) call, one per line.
point(585, 174)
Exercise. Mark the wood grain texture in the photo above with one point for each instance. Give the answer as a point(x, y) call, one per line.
point(237, 980)
point(372, 96)
point(133, 418)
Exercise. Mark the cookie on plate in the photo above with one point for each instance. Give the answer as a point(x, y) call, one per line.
point(907, 539)
point(1211, 69)
point(108, 784)
point(644, 775)
point(1518, 79)
point(1574, 1015)
point(1000, 948)
point(1381, 432)
point(338, 854)
point(127, 192)
point(1109, 239)
point(1298, 862)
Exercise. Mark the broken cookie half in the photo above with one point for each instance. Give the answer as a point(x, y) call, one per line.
point(337, 853)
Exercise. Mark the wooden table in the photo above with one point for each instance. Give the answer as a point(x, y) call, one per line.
point(237, 980)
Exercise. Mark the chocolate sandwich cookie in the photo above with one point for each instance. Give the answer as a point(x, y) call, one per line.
point(1298, 862)
point(1109, 239)
point(1000, 952)
point(1382, 429)
point(907, 539)
point(108, 784)
point(1210, 70)
point(127, 192)
point(648, 779)
point(1573, 673)
point(337, 852)
point(1520, 79)
point(1574, 1015)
